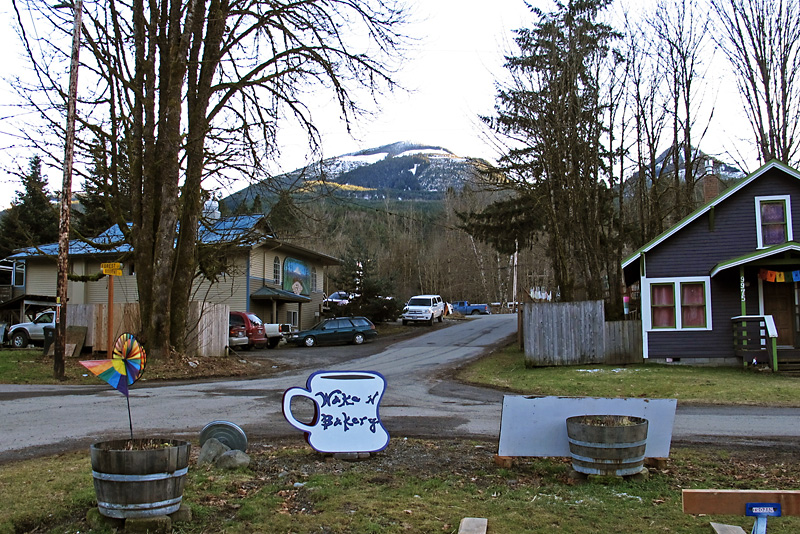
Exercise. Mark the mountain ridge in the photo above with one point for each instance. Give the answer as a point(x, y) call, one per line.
point(402, 170)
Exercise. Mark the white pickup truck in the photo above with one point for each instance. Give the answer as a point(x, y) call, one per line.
point(20, 335)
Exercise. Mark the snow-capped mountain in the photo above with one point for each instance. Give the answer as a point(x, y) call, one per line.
point(401, 170)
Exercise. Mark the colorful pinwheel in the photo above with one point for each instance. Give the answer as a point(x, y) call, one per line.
point(125, 366)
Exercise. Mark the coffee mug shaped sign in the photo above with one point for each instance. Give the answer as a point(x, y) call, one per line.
point(346, 415)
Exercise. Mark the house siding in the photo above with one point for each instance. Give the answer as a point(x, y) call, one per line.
point(251, 269)
point(715, 343)
point(696, 249)
point(261, 274)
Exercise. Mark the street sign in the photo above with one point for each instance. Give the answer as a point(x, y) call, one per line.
point(112, 272)
point(105, 266)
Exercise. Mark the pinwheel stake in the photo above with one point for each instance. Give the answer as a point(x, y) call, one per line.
point(124, 368)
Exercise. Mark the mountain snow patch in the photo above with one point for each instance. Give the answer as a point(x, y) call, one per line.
point(424, 151)
point(365, 159)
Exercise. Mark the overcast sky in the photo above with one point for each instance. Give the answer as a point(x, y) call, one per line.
point(450, 76)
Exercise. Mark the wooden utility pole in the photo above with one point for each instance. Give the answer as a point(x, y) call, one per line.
point(59, 359)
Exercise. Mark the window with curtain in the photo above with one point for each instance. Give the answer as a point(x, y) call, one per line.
point(693, 305)
point(276, 270)
point(662, 305)
point(773, 222)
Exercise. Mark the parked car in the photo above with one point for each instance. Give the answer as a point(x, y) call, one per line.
point(259, 333)
point(465, 308)
point(237, 336)
point(21, 334)
point(354, 330)
point(253, 325)
point(424, 308)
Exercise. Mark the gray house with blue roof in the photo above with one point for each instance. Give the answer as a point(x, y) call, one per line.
point(278, 281)
point(723, 284)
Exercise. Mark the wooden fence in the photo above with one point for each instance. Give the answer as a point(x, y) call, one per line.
point(206, 336)
point(576, 333)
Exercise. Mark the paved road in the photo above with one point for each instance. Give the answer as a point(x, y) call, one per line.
point(420, 400)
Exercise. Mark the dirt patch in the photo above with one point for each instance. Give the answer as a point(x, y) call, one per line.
point(291, 460)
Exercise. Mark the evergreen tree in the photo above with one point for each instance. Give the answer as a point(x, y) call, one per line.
point(552, 110)
point(106, 200)
point(284, 215)
point(32, 219)
point(358, 277)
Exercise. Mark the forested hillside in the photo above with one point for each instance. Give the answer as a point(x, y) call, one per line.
point(398, 206)
point(395, 205)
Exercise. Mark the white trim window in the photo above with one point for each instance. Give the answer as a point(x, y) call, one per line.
point(276, 270)
point(18, 275)
point(314, 279)
point(682, 303)
point(773, 220)
point(292, 317)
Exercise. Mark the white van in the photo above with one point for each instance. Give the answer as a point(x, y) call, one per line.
point(423, 308)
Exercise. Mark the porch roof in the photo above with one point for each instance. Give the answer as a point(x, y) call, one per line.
point(754, 257)
point(271, 293)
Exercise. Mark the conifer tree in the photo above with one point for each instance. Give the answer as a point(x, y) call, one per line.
point(106, 199)
point(32, 219)
point(358, 277)
point(551, 114)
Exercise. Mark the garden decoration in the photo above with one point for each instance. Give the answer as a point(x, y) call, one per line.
point(225, 432)
point(124, 368)
point(346, 417)
point(611, 445)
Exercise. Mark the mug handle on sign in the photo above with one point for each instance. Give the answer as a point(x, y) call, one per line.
point(287, 407)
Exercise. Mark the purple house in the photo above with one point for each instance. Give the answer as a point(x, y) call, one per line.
point(721, 286)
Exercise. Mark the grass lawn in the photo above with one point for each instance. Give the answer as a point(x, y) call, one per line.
point(506, 369)
point(416, 486)
point(425, 486)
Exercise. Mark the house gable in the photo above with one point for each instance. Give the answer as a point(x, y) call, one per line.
point(704, 271)
point(722, 229)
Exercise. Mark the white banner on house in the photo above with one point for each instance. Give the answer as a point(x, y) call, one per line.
point(537, 426)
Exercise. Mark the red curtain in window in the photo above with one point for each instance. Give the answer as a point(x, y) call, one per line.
point(662, 305)
point(693, 305)
point(773, 223)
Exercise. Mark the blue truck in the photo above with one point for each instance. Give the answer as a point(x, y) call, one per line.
point(465, 308)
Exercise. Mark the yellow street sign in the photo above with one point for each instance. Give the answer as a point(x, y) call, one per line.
point(105, 266)
point(112, 272)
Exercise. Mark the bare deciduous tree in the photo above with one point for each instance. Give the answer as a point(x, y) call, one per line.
point(196, 87)
point(761, 39)
point(682, 32)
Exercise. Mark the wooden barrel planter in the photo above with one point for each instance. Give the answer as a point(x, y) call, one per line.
point(139, 478)
point(607, 444)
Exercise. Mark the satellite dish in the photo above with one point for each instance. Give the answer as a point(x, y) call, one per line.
point(226, 433)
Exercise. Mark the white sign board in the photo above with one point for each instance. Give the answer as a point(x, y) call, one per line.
point(346, 411)
point(537, 426)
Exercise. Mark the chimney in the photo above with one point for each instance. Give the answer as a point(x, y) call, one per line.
point(710, 182)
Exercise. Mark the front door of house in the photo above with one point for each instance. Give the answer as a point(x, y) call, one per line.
point(779, 302)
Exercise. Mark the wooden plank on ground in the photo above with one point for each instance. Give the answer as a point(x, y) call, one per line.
point(732, 502)
point(719, 528)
